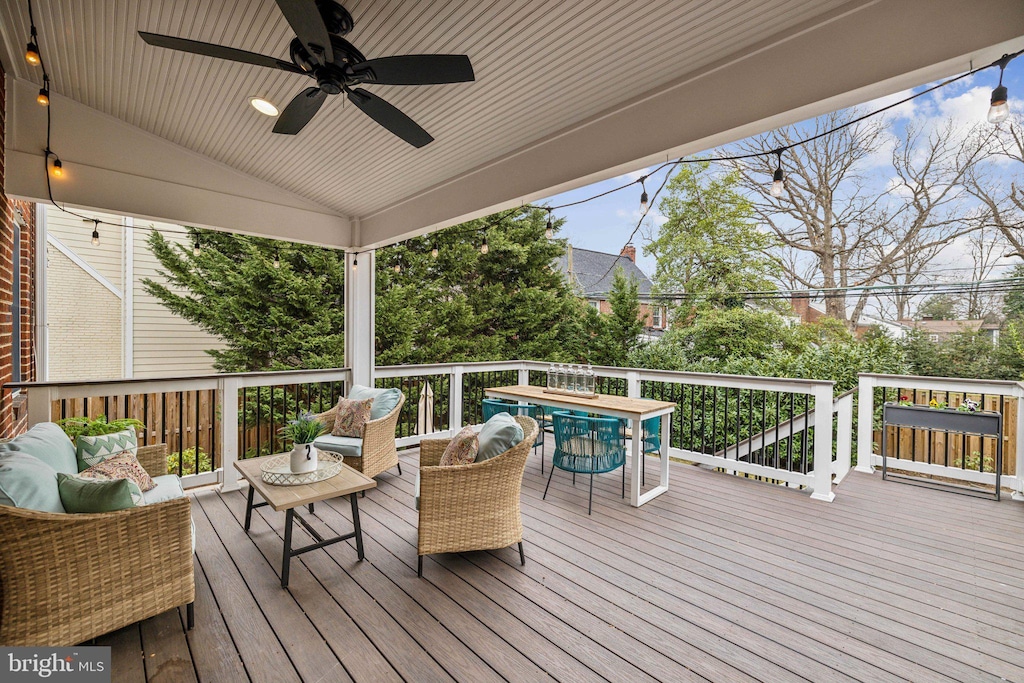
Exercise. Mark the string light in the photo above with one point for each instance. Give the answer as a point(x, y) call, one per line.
point(779, 179)
point(1000, 109)
point(398, 267)
point(433, 252)
point(43, 97)
point(32, 51)
point(484, 248)
point(643, 195)
point(196, 247)
point(57, 169)
point(549, 232)
point(277, 258)
point(95, 236)
point(355, 264)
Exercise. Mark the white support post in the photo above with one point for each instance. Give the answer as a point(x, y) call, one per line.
point(227, 397)
point(455, 400)
point(1018, 493)
point(39, 401)
point(865, 418)
point(844, 437)
point(633, 384)
point(359, 316)
point(524, 376)
point(823, 434)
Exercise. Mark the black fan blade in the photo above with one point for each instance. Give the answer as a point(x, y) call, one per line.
point(218, 51)
point(416, 70)
point(390, 117)
point(299, 111)
point(304, 18)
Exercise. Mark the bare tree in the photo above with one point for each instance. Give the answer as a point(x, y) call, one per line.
point(1004, 203)
point(848, 230)
point(910, 268)
point(985, 253)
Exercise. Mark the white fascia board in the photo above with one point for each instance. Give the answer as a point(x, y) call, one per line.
point(115, 167)
point(81, 263)
point(865, 50)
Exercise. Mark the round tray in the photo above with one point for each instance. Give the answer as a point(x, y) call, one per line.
point(277, 470)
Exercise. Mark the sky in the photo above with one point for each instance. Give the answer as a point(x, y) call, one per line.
point(606, 223)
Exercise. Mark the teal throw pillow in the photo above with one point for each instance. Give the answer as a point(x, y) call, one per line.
point(97, 495)
point(47, 442)
point(92, 450)
point(384, 400)
point(498, 434)
point(29, 483)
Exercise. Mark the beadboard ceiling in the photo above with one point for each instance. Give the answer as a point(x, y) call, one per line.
point(542, 67)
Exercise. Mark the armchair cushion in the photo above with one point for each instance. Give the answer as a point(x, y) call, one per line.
point(121, 466)
point(168, 487)
point(79, 494)
point(92, 450)
point(48, 443)
point(498, 434)
point(384, 400)
point(351, 415)
point(28, 482)
point(348, 446)
point(462, 450)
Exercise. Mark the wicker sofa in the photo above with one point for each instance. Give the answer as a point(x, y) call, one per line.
point(67, 578)
point(378, 452)
point(475, 506)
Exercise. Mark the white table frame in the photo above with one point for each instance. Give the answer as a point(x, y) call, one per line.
point(594, 406)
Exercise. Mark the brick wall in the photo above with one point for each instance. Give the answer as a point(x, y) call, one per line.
point(12, 419)
point(605, 308)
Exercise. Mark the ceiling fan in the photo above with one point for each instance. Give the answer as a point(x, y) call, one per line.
point(319, 52)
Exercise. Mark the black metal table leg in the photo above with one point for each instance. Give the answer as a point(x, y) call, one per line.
point(248, 507)
point(289, 516)
point(355, 523)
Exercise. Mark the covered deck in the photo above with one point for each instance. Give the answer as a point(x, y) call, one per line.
point(722, 579)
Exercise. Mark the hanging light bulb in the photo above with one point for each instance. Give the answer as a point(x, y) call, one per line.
point(43, 97)
point(277, 258)
point(484, 248)
point(643, 195)
point(355, 263)
point(95, 236)
point(32, 51)
point(433, 252)
point(398, 267)
point(549, 232)
point(1000, 108)
point(197, 248)
point(57, 169)
point(779, 179)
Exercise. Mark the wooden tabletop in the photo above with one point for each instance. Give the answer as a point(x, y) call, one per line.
point(286, 497)
point(603, 404)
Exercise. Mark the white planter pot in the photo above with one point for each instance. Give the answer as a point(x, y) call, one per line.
point(303, 458)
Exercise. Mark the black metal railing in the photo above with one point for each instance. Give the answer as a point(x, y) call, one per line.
point(263, 411)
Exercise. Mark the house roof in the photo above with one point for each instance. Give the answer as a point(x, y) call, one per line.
point(593, 271)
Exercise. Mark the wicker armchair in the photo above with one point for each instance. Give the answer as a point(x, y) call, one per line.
point(379, 453)
point(475, 506)
point(65, 578)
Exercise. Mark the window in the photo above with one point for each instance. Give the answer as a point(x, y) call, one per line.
point(933, 337)
point(596, 305)
point(656, 316)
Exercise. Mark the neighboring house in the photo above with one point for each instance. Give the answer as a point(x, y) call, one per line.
point(940, 330)
point(590, 273)
point(809, 311)
point(97, 320)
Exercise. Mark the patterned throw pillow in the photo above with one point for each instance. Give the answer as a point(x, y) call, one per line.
point(462, 449)
point(350, 416)
point(121, 466)
point(92, 450)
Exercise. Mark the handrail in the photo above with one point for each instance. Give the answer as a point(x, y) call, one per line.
point(174, 378)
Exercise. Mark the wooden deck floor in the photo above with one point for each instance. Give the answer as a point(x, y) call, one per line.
point(721, 579)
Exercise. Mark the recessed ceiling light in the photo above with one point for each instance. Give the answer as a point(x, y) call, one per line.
point(263, 106)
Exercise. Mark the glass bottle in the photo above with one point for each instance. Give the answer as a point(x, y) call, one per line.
point(581, 380)
point(552, 381)
point(591, 380)
point(560, 377)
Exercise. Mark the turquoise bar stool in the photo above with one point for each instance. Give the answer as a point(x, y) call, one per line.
point(493, 406)
point(588, 445)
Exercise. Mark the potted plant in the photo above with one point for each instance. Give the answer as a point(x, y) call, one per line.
point(75, 427)
point(302, 431)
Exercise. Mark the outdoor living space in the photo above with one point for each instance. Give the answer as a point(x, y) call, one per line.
point(723, 579)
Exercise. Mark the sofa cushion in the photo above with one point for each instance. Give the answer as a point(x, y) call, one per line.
point(121, 466)
point(92, 450)
point(498, 434)
point(47, 442)
point(168, 487)
point(78, 494)
point(348, 446)
point(350, 415)
point(462, 450)
point(384, 400)
point(28, 482)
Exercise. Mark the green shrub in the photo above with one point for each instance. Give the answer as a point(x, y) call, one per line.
point(188, 462)
point(75, 427)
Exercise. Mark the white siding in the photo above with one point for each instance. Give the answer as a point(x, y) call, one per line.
point(164, 344)
point(76, 235)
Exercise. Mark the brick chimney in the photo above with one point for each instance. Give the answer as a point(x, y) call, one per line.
point(629, 251)
point(801, 302)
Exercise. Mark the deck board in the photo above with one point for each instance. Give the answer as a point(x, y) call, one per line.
point(720, 579)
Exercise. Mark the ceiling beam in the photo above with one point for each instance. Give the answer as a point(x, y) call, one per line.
point(865, 50)
point(115, 167)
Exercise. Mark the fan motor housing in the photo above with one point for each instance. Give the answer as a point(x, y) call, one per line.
point(336, 18)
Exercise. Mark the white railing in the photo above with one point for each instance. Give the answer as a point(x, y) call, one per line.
point(831, 429)
point(867, 459)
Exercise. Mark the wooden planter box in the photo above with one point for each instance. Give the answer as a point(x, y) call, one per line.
point(979, 423)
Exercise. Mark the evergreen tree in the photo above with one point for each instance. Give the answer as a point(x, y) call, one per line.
point(270, 318)
point(1013, 303)
point(618, 333)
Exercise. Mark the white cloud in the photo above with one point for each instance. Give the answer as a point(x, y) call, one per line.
point(635, 175)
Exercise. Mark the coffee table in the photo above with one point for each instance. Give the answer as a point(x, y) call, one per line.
point(348, 482)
